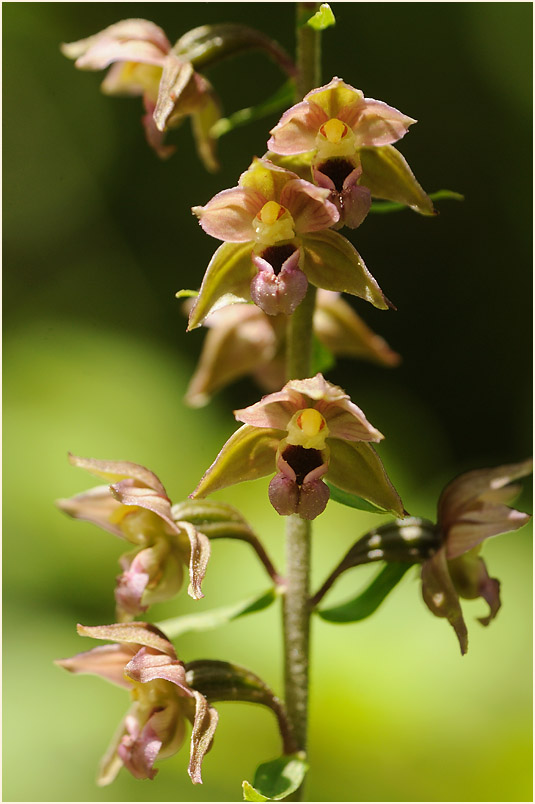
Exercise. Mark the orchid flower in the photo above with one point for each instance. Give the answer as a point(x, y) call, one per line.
point(308, 430)
point(472, 508)
point(136, 508)
point(275, 228)
point(348, 139)
point(144, 64)
point(143, 661)
point(244, 340)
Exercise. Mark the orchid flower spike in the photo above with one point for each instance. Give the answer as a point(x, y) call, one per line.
point(305, 432)
point(144, 64)
point(472, 508)
point(275, 228)
point(243, 340)
point(348, 139)
point(142, 660)
point(136, 508)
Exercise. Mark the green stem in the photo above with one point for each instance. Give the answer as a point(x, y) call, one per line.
point(296, 611)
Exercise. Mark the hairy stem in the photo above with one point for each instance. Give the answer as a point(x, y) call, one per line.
point(296, 612)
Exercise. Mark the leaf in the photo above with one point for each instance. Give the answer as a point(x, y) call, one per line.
point(368, 601)
point(322, 358)
point(280, 99)
point(323, 18)
point(275, 780)
point(213, 618)
point(441, 195)
point(351, 500)
point(187, 294)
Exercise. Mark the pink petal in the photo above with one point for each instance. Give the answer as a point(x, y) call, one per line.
point(138, 633)
point(107, 661)
point(146, 666)
point(375, 123)
point(347, 421)
point(230, 214)
point(95, 505)
point(274, 410)
point(155, 137)
point(278, 290)
point(129, 40)
point(475, 526)
point(296, 131)
point(309, 206)
point(139, 748)
point(114, 471)
point(127, 493)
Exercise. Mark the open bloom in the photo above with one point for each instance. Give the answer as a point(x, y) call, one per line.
point(472, 508)
point(143, 64)
point(305, 432)
point(275, 228)
point(348, 138)
point(136, 508)
point(143, 661)
point(243, 340)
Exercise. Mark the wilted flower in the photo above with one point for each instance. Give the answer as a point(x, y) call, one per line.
point(136, 508)
point(287, 432)
point(144, 661)
point(144, 64)
point(472, 508)
point(275, 228)
point(243, 340)
point(348, 138)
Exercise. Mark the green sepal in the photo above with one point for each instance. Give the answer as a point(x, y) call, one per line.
point(368, 601)
point(280, 99)
point(351, 500)
point(383, 207)
point(213, 618)
point(275, 780)
point(323, 18)
point(322, 359)
point(387, 174)
point(226, 281)
point(331, 262)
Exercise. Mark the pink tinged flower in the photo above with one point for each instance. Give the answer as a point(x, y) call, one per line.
point(145, 662)
point(136, 508)
point(142, 64)
point(308, 430)
point(340, 176)
point(472, 508)
point(275, 228)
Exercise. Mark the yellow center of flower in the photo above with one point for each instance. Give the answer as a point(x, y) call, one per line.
point(307, 428)
point(270, 212)
point(334, 130)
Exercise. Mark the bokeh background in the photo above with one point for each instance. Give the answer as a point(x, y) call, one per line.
point(97, 239)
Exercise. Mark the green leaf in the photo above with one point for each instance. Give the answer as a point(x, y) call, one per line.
point(322, 358)
point(275, 780)
point(382, 207)
point(186, 294)
point(351, 500)
point(323, 18)
point(213, 618)
point(368, 601)
point(280, 99)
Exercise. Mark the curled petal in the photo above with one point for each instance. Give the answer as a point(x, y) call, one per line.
point(202, 735)
point(247, 455)
point(240, 340)
point(332, 263)
point(274, 410)
point(471, 580)
point(129, 40)
point(226, 281)
point(440, 596)
point(137, 633)
point(176, 76)
point(347, 421)
point(317, 388)
point(266, 178)
point(146, 666)
point(278, 290)
point(139, 748)
point(387, 174)
point(154, 137)
point(198, 560)
point(126, 493)
point(473, 527)
point(309, 206)
point(114, 471)
point(374, 123)
point(344, 333)
point(107, 661)
point(356, 467)
point(297, 129)
point(131, 585)
point(230, 214)
point(96, 505)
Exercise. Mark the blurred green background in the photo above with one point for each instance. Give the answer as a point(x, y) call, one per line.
point(97, 239)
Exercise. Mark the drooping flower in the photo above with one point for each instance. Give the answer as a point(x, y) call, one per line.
point(142, 660)
point(348, 139)
point(275, 228)
point(472, 508)
point(243, 340)
point(136, 508)
point(305, 432)
point(143, 64)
